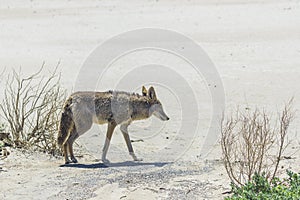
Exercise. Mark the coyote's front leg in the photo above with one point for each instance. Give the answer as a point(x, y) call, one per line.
point(124, 130)
point(110, 129)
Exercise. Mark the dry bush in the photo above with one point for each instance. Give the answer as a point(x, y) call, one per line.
point(252, 142)
point(31, 108)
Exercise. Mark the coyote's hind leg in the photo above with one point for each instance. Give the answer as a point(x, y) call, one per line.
point(65, 149)
point(70, 142)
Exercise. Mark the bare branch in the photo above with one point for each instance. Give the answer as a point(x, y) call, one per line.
point(31, 107)
point(248, 141)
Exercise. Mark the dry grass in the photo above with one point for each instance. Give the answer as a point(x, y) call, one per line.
point(252, 142)
point(31, 108)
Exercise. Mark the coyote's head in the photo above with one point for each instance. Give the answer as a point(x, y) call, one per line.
point(155, 106)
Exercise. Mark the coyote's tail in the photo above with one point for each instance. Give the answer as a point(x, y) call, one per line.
point(66, 123)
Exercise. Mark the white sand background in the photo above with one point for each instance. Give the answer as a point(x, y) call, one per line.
point(255, 46)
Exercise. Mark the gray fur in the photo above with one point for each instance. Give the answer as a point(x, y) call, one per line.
point(82, 109)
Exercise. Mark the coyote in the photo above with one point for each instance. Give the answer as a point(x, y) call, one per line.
point(82, 109)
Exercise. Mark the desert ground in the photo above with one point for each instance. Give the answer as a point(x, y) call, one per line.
point(254, 46)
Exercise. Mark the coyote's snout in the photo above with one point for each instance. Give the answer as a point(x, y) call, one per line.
point(82, 109)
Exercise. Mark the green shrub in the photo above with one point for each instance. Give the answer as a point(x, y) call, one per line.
point(259, 188)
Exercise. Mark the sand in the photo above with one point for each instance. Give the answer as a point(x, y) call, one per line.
point(254, 45)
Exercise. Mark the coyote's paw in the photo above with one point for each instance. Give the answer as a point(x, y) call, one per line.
point(134, 157)
point(68, 162)
point(104, 160)
point(74, 160)
point(138, 159)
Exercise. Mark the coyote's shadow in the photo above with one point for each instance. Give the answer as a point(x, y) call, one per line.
point(113, 165)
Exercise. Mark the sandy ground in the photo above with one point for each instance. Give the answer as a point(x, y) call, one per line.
point(255, 46)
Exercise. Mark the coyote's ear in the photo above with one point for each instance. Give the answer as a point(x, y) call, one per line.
point(144, 91)
point(151, 93)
